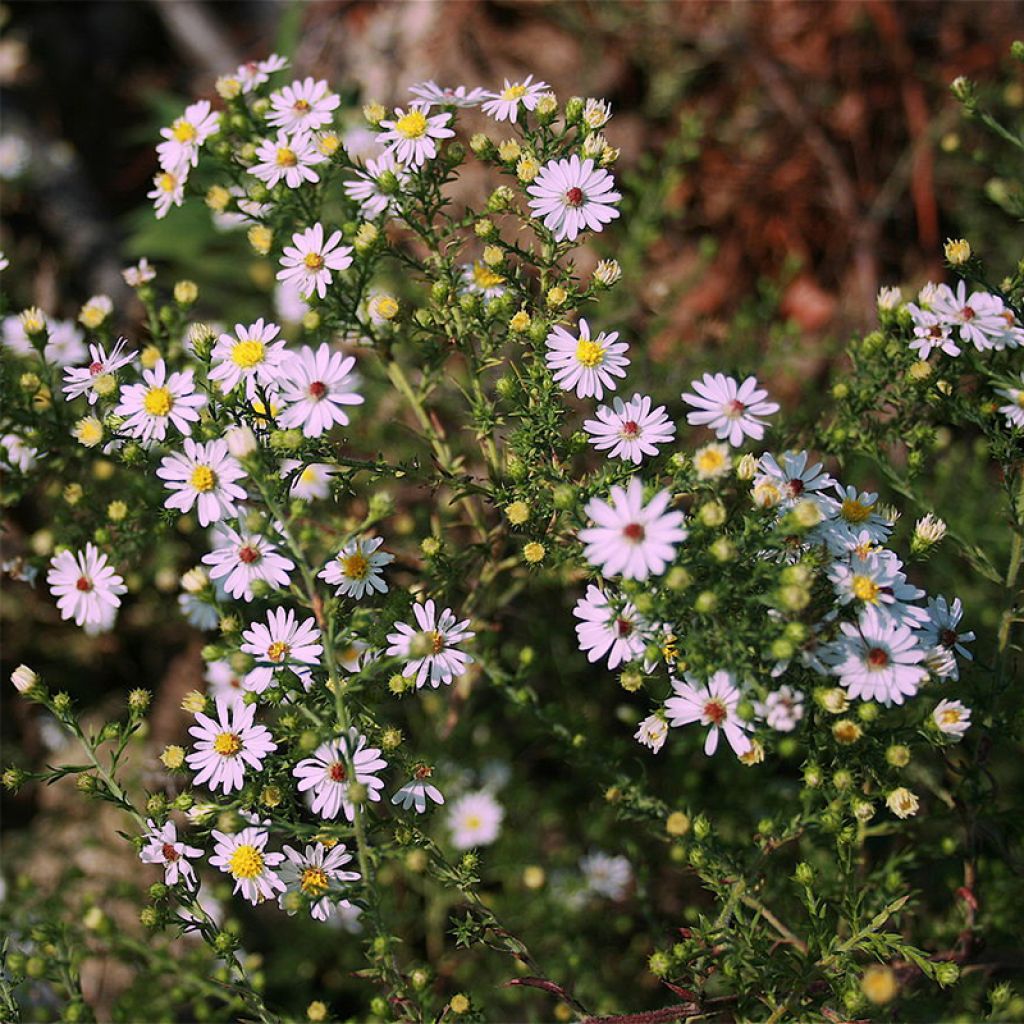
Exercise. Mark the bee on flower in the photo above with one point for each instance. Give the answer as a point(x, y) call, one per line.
point(357, 569)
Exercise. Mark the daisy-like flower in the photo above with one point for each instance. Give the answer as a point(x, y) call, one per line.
point(480, 279)
point(931, 332)
point(734, 411)
point(327, 774)
point(19, 454)
point(302, 106)
point(309, 260)
point(475, 820)
point(1014, 409)
point(573, 195)
point(873, 576)
point(952, 718)
point(160, 398)
point(98, 375)
point(224, 681)
point(940, 632)
point(86, 586)
point(312, 483)
point(244, 857)
point(504, 105)
point(228, 745)
point(605, 875)
point(251, 355)
point(652, 733)
point(794, 477)
point(245, 557)
point(287, 158)
point(978, 316)
point(853, 517)
point(186, 135)
point(412, 138)
point(713, 705)
point(430, 650)
point(418, 791)
point(203, 476)
point(630, 538)
point(316, 874)
point(585, 364)
point(164, 847)
point(712, 460)
point(877, 659)
point(782, 709)
point(357, 569)
point(605, 630)
point(138, 275)
point(316, 386)
point(255, 72)
point(430, 94)
point(282, 642)
point(366, 188)
point(65, 344)
point(630, 429)
point(168, 190)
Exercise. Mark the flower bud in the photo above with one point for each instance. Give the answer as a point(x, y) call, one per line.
point(879, 984)
point(24, 678)
point(172, 757)
point(260, 238)
point(374, 113)
point(241, 441)
point(195, 581)
point(957, 251)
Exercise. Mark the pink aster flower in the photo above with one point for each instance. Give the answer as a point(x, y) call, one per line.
point(328, 775)
point(713, 705)
point(732, 410)
point(430, 650)
point(164, 847)
point(228, 745)
point(309, 260)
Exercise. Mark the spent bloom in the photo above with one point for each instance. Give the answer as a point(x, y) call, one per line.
point(86, 586)
point(630, 430)
point(734, 411)
point(430, 650)
point(228, 745)
point(652, 732)
point(307, 263)
point(713, 705)
point(164, 847)
point(357, 569)
point(316, 386)
point(583, 363)
point(572, 196)
point(328, 777)
point(205, 477)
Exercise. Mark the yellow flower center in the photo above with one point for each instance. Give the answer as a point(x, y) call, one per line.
point(286, 157)
point(484, 277)
point(314, 882)
point(247, 354)
point(589, 353)
point(710, 461)
point(278, 651)
point(413, 125)
point(950, 716)
point(246, 862)
point(1020, 399)
point(313, 260)
point(473, 821)
point(513, 92)
point(854, 512)
point(183, 131)
point(203, 479)
point(865, 588)
point(308, 475)
point(355, 566)
point(166, 182)
point(158, 401)
point(227, 744)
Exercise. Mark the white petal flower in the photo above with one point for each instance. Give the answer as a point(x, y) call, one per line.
point(572, 196)
point(287, 158)
point(585, 364)
point(228, 745)
point(86, 586)
point(734, 411)
point(318, 875)
point(327, 775)
point(504, 105)
point(430, 650)
point(85, 380)
point(713, 705)
point(164, 847)
point(356, 569)
point(316, 385)
point(162, 398)
point(243, 855)
point(412, 138)
point(245, 557)
point(251, 355)
point(302, 106)
point(185, 137)
point(417, 792)
point(630, 430)
point(309, 260)
point(203, 476)
point(617, 632)
point(475, 820)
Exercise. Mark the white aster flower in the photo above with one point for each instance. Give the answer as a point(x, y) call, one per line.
point(782, 709)
point(287, 158)
point(979, 317)
point(317, 874)
point(326, 774)
point(357, 569)
point(430, 94)
point(312, 483)
point(366, 189)
point(931, 332)
point(65, 344)
point(316, 385)
point(734, 411)
point(795, 477)
point(504, 105)
point(160, 398)
point(480, 279)
point(952, 718)
point(630, 429)
point(138, 275)
point(255, 72)
point(95, 311)
point(430, 650)
point(182, 141)
point(203, 476)
point(228, 745)
point(245, 557)
point(302, 106)
point(652, 732)
point(168, 190)
point(309, 260)
point(629, 537)
point(940, 633)
point(889, 298)
point(412, 138)
point(251, 355)
point(713, 705)
point(572, 196)
point(475, 820)
point(283, 642)
point(619, 633)
point(84, 380)
point(605, 875)
point(417, 792)
point(1014, 409)
point(164, 847)
point(224, 681)
point(244, 857)
point(20, 455)
point(86, 586)
point(585, 364)
point(873, 576)
point(854, 518)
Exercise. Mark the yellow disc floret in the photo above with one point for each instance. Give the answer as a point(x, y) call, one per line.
point(485, 278)
point(286, 157)
point(413, 125)
point(513, 92)
point(355, 566)
point(227, 744)
point(158, 401)
point(313, 260)
point(278, 651)
point(247, 354)
point(589, 353)
point(314, 882)
point(246, 862)
point(854, 511)
point(865, 588)
point(203, 479)
point(184, 131)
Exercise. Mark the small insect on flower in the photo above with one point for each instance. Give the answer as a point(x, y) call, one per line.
point(204, 476)
point(430, 650)
point(504, 105)
point(164, 847)
point(357, 569)
point(418, 791)
point(160, 398)
point(86, 586)
point(317, 875)
point(98, 376)
point(585, 364)
point(630, 430)
point(227, 746)
point(251, 355)
point(605, 630)
point(713, 705)
point(329, 776)
point(734, 411)
point(244, 557)
point(629, 537)
point(475, 820)
point(572, 196)
point(412, 137)
point(307, 263)
point(302, 106)
point(244, 857)
point(315, 385)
